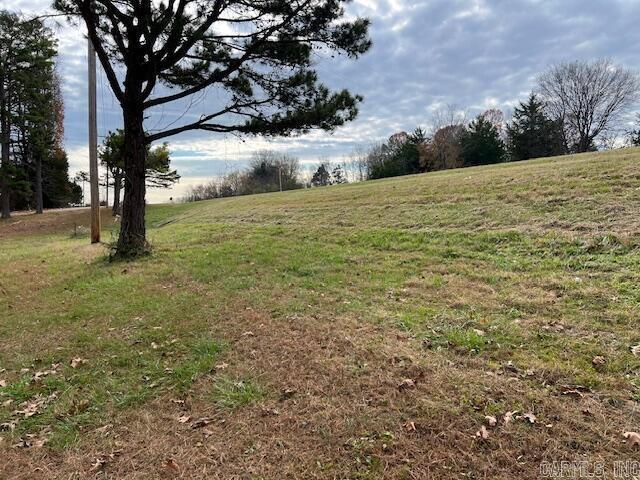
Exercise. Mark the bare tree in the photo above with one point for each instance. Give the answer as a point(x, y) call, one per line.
point(447, 116)
point(589, 98)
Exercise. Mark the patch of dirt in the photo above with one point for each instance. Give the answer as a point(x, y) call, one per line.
point(345, 399)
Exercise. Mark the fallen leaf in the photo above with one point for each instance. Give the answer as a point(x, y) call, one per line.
point(287, 393)
point(270, 411)
point(154, 345)
point(410, 426)
point(633, 438)
point(208, 432)
point(479, 332)
point(98, 465)
point(248, 334)
point(76, 362)
point(406, 383)
point(483, 433)
point(636, 350)
point(3, 383)
point(491, 420)
point(184, 418)
point(598, 360)
point(508, 417)
point(530, 416)
point(222, 366)
point(8, 426)
point(201, 422)
point(510, 367)
point(172, 464)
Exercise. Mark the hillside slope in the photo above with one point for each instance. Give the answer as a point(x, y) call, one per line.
point(358, 331)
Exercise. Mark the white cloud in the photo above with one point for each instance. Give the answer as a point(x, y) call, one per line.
point(427, 53)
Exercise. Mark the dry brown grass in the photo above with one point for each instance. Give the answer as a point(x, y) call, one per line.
point(335, 410)
point(348, 293)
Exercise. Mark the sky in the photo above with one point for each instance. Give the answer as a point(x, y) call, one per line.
point(474, 54)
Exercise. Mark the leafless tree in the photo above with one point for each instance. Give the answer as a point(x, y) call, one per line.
point(589, 98)
point(447, 116)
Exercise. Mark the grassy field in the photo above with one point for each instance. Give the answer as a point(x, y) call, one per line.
point(364, 331)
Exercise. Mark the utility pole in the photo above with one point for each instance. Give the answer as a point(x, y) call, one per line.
point(93, 146)
point(280, 176)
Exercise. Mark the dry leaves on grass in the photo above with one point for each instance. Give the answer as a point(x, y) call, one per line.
point(491, 420)
point(32, 407)
point(184, 418)
point(76, 362)
point(171, 464)
point(406, 384)
point(410, 426)
point(483, 433)
point(508, 417)
point(633, 438)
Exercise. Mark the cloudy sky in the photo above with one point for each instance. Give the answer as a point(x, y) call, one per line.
point(476, 54)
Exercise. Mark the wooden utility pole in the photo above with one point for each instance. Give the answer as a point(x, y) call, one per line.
point(93, 147)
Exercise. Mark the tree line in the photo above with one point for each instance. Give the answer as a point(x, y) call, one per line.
point(268, 171)
point(34, 165)
point(575, 107)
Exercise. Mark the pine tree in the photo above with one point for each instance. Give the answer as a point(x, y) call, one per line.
point(532, 134)
point(258, 56)
point(481, 143)
point(338, 175)
point(34, 169)
point(158, 171)
point(321, 177)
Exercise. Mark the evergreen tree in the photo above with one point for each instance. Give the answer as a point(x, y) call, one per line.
point(338, 175)
point(34, 170)
point(158, 170)
point(401, 155)
point(481, 143)
point(633, 136)
point(532, 134)
point(321, 177)
point(258, 56)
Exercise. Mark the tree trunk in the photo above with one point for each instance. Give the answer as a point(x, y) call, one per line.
point(5, 192)
point(39, 200)
point(132, 241)
point(117, 186)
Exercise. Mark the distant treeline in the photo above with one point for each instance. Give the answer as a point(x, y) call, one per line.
point(577, 107)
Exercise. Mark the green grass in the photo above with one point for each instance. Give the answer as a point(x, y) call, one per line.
point(231, 394)
point(535, 263)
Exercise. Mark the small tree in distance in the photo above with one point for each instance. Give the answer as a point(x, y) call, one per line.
point(321, 177)
point(338, 175)
point(158, 172)
point(532, 134)
point(481, 143)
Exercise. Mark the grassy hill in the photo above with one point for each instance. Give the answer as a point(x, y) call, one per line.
point(357, 331)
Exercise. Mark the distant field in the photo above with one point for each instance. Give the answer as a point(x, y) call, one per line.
point(362, 331)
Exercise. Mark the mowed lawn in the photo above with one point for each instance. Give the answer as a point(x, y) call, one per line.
point(361, 331)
